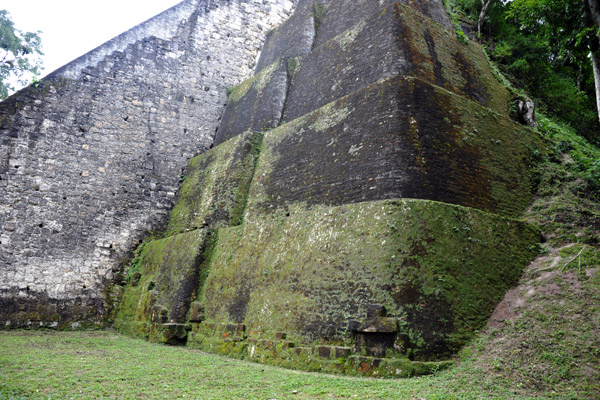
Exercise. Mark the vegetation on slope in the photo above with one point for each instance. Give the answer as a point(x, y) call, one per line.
point(566, 204)
point(543, 47)
point(543, 337)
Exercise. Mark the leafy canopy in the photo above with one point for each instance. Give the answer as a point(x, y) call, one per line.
point(19, 55)
point(542, 47)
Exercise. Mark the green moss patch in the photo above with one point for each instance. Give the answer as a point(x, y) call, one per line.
point(257, 104)
point(215, 187)
point(438, 269)
point(220, 339)
point(160, 292)
point(257, 82)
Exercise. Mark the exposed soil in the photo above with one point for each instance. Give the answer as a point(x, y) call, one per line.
point(544, 335)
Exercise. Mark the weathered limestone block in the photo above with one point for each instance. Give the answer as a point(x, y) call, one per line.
point(170, 271)
point(394, 41)
point(378, 334)
point(526, 112)
point(400, 138)
point(342, 15)
point(438, 269)
point(170, 333)
point(256, 104)
point(215, 186)
point(294, 38)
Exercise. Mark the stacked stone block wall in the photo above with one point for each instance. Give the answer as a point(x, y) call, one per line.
point(91, 156)
point(375, 230)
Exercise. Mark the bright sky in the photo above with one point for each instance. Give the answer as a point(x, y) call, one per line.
point(71, 28)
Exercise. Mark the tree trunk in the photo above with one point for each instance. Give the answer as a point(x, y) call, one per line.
point(484, 7)
point(596, 65)
point(593, 9)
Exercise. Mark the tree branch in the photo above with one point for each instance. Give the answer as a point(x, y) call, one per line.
point(484, 7)
point(573, 259)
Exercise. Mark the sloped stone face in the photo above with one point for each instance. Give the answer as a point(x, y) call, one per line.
point(163, 285)
point(393, 41)
point(165, 276)
point(309, 270)
point(256, 104)
point(433, 9)
point(294, 38)
point(401, 138)
point(215, 185)
point(339, 17)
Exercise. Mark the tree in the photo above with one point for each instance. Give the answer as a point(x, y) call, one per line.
point(477, 10)
point(570, 27)
point(484, 7)
point(19, 55)
point(592, 8)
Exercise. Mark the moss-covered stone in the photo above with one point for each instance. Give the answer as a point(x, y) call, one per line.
point(215, 188)
point(256, 104)
point(438, 269)
point(393, 41)
point(157, 304)
point(369, 234)
point(399, 138)
point(222, 339)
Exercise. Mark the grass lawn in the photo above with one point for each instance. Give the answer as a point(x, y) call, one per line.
point(107, 365)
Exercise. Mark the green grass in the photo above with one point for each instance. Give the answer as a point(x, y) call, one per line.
point(106, 365)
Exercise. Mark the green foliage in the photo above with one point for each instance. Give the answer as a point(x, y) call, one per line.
point(567, 206)
point(462, 37)
point(542, 46)
point(545, 48)
point(592, 175)
point(19, 51)
point(453, 14)
point(468, 9)
point(136, 263)
point(583, 157)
